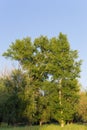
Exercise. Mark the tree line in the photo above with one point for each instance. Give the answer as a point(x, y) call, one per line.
point(46, 87)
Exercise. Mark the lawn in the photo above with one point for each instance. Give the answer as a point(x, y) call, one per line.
point(67, 127)
point(48, 127)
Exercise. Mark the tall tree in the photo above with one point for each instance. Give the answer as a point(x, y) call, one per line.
point(52, 68)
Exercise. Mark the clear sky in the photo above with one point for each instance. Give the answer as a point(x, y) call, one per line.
point(22, 18)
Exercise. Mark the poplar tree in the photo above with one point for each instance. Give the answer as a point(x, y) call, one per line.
point(52, 69)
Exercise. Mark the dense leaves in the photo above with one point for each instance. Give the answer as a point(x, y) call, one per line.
point(82, 107)
point(49, 91)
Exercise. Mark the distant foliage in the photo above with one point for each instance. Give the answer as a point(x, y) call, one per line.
point(82, 107)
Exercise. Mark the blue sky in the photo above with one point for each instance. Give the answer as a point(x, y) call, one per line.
point(22, 18)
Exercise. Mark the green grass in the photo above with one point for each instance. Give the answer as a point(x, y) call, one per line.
point(67, 127)
point(20, 128)
point(48, 127)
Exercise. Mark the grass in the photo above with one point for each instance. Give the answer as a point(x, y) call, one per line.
point(20, 128)
point(48, 127)
point(67, 127)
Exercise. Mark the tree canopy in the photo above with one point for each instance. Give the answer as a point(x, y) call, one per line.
point(52, 70)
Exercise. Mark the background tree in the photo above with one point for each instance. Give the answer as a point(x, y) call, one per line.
point(12, 96)
point(82, 107)
point(3, 98)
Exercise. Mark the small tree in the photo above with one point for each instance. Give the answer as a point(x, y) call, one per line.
point(12, 96)
point(82, 107)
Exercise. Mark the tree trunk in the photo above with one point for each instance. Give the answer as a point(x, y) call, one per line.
point(41, 122)
point(62, 123)
point(60, 102)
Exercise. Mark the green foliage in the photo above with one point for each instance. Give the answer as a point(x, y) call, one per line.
point(45, 62)
point(82, 107)
point(12, 97)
